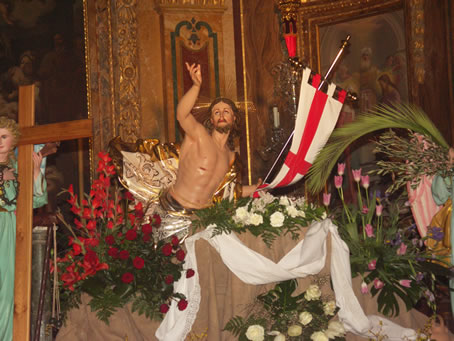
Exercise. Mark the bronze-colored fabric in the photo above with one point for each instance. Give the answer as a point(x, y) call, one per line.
point(442, 219)
point(223, 296)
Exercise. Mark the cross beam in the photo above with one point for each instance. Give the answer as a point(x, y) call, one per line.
point(32, 135)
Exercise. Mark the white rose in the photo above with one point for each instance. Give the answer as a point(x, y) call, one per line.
point(241, 214)
point(280, 337)
point(312, 293)
point(336, 328)
point(277, 219)
point(255, 333)
point(284, 201)
point(319, 336)
point(255, 219)
point(292, 211)
point(329, 307)
point(267, 198)
point(294, 330)
point(305, 318)
point(258, 205)
point(324, 215)
point(300, 202)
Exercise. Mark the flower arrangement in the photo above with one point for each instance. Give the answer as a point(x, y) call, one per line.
point(279, 315)
point(268, 216)
point(386, 250)
point(113, 255)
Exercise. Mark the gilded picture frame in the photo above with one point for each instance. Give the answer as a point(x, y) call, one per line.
point(318, 17)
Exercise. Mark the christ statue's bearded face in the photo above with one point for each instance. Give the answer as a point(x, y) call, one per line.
point(222, 117)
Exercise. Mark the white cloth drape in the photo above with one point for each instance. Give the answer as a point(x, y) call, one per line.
point(306, 258)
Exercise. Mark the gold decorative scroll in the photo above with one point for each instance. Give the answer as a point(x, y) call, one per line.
point(417, 37)
point(212, 5)
point(289, 9)
point(128, 99)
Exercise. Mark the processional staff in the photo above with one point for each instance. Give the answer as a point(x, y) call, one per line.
point(345, 43)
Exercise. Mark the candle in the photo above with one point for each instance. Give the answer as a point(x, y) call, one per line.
point(276, 117)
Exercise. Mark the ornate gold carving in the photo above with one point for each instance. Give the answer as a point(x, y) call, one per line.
point(128, 96)
point(417, 38)
point(289, 9)
point(190, 4)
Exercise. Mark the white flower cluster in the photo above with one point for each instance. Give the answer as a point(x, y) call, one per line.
point(252, 213)
point(335, 328)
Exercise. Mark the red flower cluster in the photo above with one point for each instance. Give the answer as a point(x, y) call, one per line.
point(113, 236)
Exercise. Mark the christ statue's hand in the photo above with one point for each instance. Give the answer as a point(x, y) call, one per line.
point(195, 73)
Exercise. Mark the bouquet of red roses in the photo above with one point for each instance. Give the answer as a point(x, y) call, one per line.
point(113, 256)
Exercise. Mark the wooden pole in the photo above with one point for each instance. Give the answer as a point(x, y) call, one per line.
point(24, 222)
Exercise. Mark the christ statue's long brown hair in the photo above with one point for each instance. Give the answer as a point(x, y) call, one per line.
point(235, 131)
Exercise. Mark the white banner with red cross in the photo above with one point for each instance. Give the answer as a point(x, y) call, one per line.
point(316, 118)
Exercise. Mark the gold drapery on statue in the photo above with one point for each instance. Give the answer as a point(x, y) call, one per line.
point(442, 219)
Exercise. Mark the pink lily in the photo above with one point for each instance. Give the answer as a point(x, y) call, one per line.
point(369, 231)
point(379, 210)
point(356, 174)
point(405, 283)
point(372, 264)
point(402, 249)
point(378, 284)
point(326, 198)
point(364, 288)
point(338, 181)
point(340, 168)
point(365, 181)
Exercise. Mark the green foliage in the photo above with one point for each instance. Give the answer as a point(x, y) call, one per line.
point(267, 217)
point(387, 251)
point(381, 117)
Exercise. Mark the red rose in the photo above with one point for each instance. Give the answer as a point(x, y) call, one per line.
point(167, 249)
point(182, 304)
point(128, 278)
point(164, 308)
point(180, 255)
point(91, 257)
point(124, 254)
point(146, 238)
point(129, 196)
point(190, 273)
point(110, 240)
point(131, 235)
point(113, 252)
point(138, 262)
point(156, 219)
point(175, 241)
point(147, 229)
point(169, 279)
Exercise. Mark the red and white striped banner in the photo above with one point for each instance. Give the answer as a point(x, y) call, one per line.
point(316, 118)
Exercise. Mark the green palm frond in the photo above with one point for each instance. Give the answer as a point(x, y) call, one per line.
point(380, 117)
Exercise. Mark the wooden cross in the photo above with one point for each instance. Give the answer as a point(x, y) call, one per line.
point(31, 135)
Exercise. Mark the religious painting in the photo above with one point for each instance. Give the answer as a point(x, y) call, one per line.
point(42, 43)
point(375, 65)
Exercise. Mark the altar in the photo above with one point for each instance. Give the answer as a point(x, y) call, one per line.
point(224, 295)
